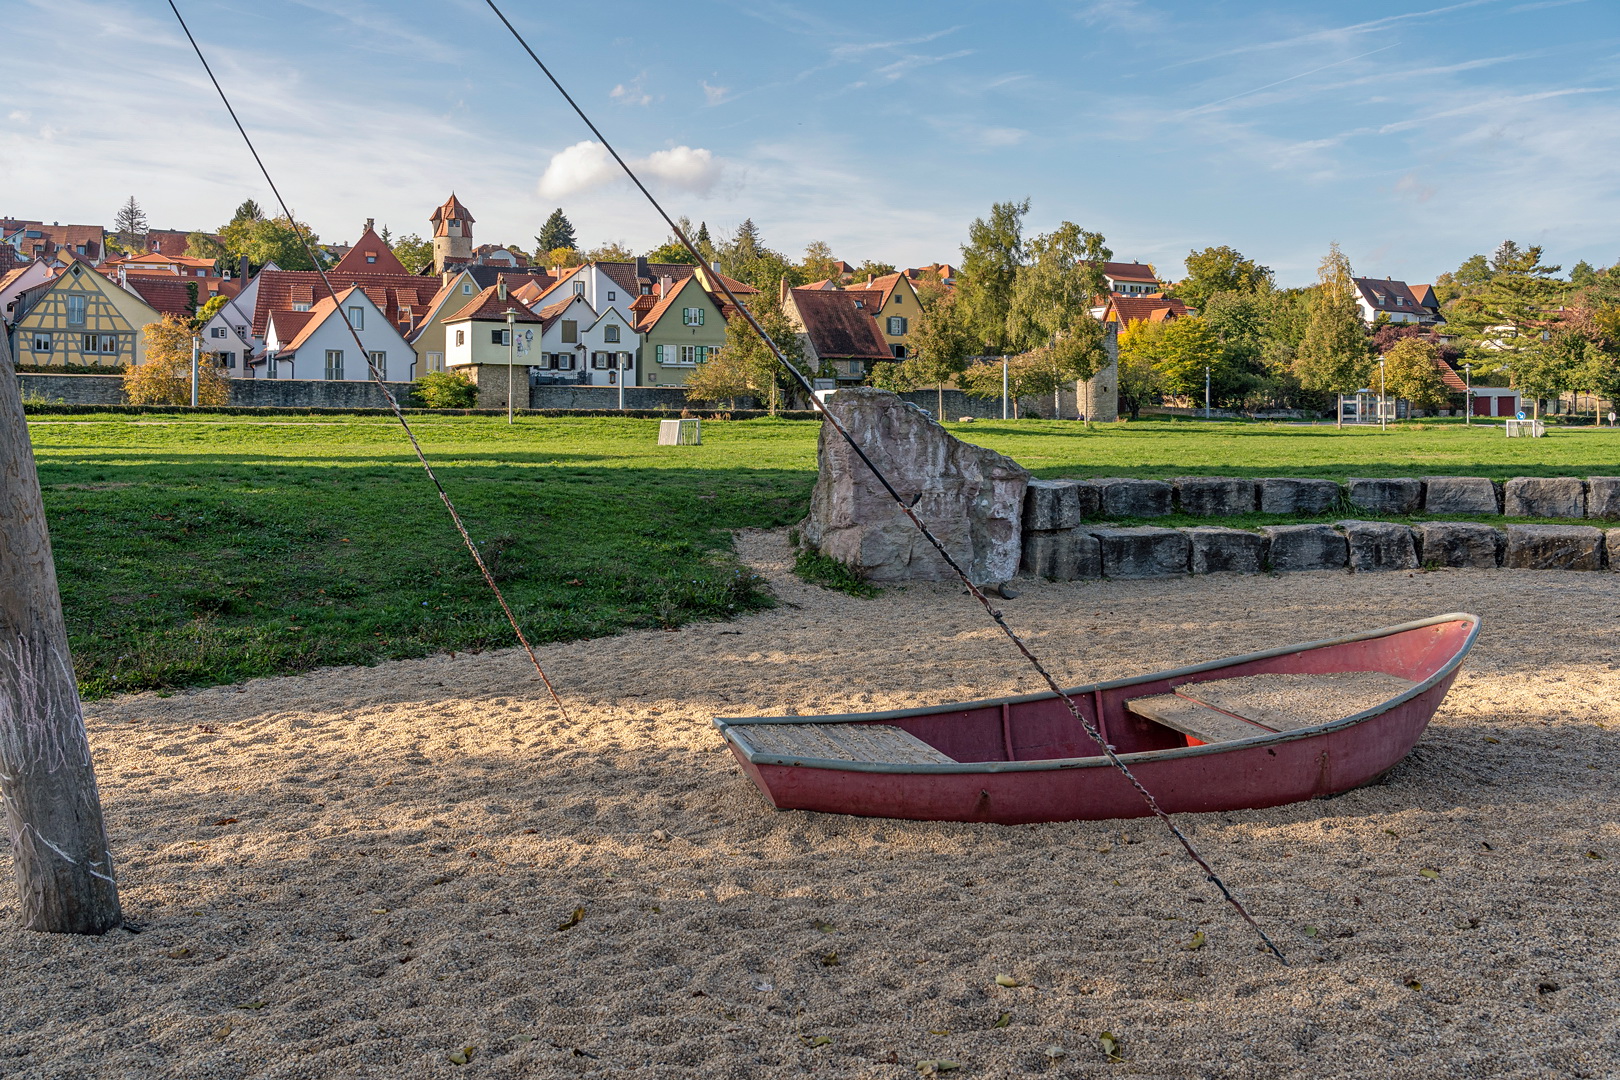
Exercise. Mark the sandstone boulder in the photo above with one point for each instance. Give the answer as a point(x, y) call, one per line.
point(1603, 496)
point(1216, 550)
point(1386, 494)
point(1123, 496)
point(1141, 552)
point(1062, 555)
point(970, 497)
point(1301, 497)
point(1611, 547)
point(1460, 495)
point(1554, 547)
point(1460, 544)
point(1215, 496)
point(1305, 547)
point(1379, 545)
point(1051, 504)
point(1544, 496)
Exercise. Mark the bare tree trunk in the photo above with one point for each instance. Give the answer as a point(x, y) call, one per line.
point(53, 811)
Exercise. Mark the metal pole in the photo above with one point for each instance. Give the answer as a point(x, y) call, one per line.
point(1206, 391)
point(1004, 387)
point(196, 346)
point(1468, 394)
point(511, 344)
point(620, 377)
point(1382, 426)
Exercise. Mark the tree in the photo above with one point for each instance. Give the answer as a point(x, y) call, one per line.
point(61, 860)
point(610, 251)
point(745, 365)
point(1412, 371)
point(446, 390)
point(940, 347)
point(1238, 321)
point(164, 378)
point(1187, 348)
point(818, 263)
point(871, 269)
point(746, 258)
point(1029, 374)
point(1140, 347)
point(210, 309)
point(199, 245)
point(129, 227)
point(1513, 313)
point(1219, 269)
point(557, 232)
point(670, 251)
point(1049, 310)
point(413, 252)
point(990, 262)
point(265, 240)
point(562, 257)
point(1582, 273)
point(1333, 355)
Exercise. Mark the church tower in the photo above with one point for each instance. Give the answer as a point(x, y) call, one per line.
point(452, 234)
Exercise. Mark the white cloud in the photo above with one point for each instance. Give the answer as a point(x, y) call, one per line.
point(17, 115)
point(716, 95)
point(632, 93)
point(587, 165)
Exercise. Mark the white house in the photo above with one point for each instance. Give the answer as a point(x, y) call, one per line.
point(1395, 299)
point(582, 346)
point(229, 334)
point(18, 281)
point(476, 334)
point(316, 344)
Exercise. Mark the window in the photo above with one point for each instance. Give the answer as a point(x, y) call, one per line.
point(565, 361)
point(646, 290)
point(379, 362)
point(897, 324)
point(370, 257)
point(241, 331)
point(461, 337)
point(652, 378)
point(899, 351)
point(579, 288)
point(692, 316)
point(499, 337)
point(466, 288)
point(860, 303)
point(601, 360)
point(75, 306)
point(898, 298)
point(570, 332)
point(334, 363)
point(100, 344)
point(612, 295)
point(689, 354)
point(42, 343)
point(357, 318)
point(227, 359)
point(435, 361)
point(610, 332)
point(624, 361)
point(300, 305)
point(216, 332)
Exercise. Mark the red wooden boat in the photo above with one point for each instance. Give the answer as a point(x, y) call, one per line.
point(1265, 729)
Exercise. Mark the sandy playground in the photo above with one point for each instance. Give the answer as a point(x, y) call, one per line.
point(362, 872)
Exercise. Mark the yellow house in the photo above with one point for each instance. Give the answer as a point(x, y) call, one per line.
point(428, 339)
point(898, 310)
point(82, 318)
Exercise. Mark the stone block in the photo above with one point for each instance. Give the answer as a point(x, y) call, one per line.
point(1215, 550)
point(1554, 547)
point(1051, 504)
point(1215, 496)
point(1460, 544)
point(971, 498)
point(1603, 496)
point(1142, 552)
point(1386, 494)
point(1062, 555)
point(1544, 496)
point(1119, 496)
point(1611, 547)
point(1299, 496)
point(1305, 547)
point(1379, 545)
point(1460, 495)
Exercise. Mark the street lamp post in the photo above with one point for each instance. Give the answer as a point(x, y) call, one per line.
point(1468, 394)
point(511, 346)
point(1382, 425)
point(1004, 387)
point(196, 347)
point(1206, 391)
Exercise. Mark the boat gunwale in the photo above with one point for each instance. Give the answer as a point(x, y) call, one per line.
point(1143, 757)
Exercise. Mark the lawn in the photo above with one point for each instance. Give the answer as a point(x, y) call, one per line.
point(202, 550)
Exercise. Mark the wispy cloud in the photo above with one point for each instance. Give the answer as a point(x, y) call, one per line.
point(633, 92)
point(1245, 93)
point(1337, 34)
point(1128, 15)
point(716, 95)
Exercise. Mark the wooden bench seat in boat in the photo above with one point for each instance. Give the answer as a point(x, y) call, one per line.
point(881, 743)
point(1224, 710)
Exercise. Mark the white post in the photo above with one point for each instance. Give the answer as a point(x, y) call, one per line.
point(1468, 394)
point(1206, 391)
point(1381, 424)
point(620, 368)
point(511, 344)
point(196, 346)
point(1004, 387)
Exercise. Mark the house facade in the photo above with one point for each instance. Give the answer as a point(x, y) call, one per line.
point(896, 310)
point(81, 318)
point(316, 344)
point(495, 352)
point(839, 331)
point(19, 280)
point(1393, 299)
point(685, 328)
point(228, 335)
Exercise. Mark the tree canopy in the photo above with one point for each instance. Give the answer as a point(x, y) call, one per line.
point(1219, 269)
point(557, 232)
point(1333, 356)
point(990, 262)
point(129, 226)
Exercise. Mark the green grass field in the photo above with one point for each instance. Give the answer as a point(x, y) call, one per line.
point(202, 550)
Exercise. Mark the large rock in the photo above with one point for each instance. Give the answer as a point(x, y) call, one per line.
point(1379, 545)
point(1544, 496)
point(1051, 504)
point(1386, 494)
point(1611, 547)
point(1062, 555)
point(1123, 496)
point(1305, 547)
point(971, 498)
point(1300, 497)
point(1603, 496)
point(1460, 544)
point(1215, 550)
point(1554, 547)
point(1141, 552)
point(1460, 495)
point(1214, 496)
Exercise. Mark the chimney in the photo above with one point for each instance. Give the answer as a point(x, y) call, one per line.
point(641, 267)
point(370, 224)
point(663, 285)
point(500, 288)
point(782, 290)
point(242, 270)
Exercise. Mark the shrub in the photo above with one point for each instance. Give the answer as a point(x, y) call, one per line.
point(446, 390)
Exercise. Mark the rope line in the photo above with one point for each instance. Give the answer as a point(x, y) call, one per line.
point(376, 376)
point(905, 508)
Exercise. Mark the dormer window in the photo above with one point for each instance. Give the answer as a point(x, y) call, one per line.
point(579, 288)
point(371, 257)
point(300, 305)
point(466, 288)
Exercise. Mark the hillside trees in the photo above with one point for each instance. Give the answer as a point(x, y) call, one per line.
point(1217, 270)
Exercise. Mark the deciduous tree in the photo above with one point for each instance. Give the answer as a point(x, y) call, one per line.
point(745, 365)
point(1333, 356)
point(610, 251)
point(990, 262)
point(940, 347)
point(1140, 350)
point(1412, 371)
point(818, 263)
point(164, 377)
point(1219, 269)
point(414, 252)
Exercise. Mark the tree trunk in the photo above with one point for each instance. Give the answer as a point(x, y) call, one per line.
point(53, 811)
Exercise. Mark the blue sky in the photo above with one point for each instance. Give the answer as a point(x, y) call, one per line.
point(1414, 134)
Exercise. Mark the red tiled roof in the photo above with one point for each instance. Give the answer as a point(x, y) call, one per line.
point(489, 305)
point(369, 256)
point(662, 306)
point(838, 328)
point(1153, 308)
point(279, 289)
point(173, 241)
point(317, 315)
point(1449, 376)
point(1131, 271)
point(290, 323)
point(167, 293)
point(1424, 294)
point(452, 208)
point(549, 315)
point(1385, 294)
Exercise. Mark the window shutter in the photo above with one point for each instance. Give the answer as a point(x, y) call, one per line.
point(495, 337)
point(658, 353)
point(702, 352)
point(699, 313)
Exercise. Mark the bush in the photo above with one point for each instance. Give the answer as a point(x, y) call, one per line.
point(446, 390)
point(165, 377)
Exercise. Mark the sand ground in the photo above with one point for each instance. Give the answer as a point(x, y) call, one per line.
point(361, 872)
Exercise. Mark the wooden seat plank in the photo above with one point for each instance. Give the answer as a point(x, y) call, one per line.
point(1203, 723)
point(1288, 701)
point(842, 742)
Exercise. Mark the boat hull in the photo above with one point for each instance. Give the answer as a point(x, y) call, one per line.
point(1045, 773)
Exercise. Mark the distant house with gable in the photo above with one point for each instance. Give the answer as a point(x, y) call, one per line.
point(317, 343)
point(839, 330)
point(81, 317)
point(682, 327)
point(1393, 299)
point(1122, 311)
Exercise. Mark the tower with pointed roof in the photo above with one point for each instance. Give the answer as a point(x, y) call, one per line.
point(452, 234)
